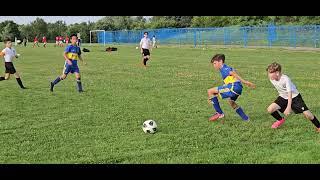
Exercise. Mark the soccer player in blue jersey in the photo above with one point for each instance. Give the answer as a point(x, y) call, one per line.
point(72, 54)
point(231, 89)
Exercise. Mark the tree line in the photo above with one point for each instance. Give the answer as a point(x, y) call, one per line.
point(111, 23)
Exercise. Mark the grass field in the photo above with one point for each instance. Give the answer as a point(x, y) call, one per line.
point(103, 124)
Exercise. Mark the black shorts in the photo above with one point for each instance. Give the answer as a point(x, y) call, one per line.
point(10, 68)
point(145, 52)
point(298, 105)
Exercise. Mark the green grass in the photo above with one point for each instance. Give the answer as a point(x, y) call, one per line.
point(103, 124)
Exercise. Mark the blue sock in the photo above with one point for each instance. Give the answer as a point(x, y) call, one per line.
point(242, 114)
point(79, 84)
point(216, 105)
point(56, 81)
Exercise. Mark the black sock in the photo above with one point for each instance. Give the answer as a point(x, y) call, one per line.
point(315, 122)
point(20, 82)
point(79, 85)
point(276, 115)
point(2, 78)
point(145, 61)
point(58, 79)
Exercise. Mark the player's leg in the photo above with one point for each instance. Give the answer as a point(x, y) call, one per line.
point(312, 118)
point(212, 97)
point(5, 77)
point(78, 79)
point(66, 70)
point(239, 110)
point(279, 104)
point(16, 74)
point(299, 106)
point(144, 56)
point(147, 58)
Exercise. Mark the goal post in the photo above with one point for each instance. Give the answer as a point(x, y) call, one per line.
point(98, 31)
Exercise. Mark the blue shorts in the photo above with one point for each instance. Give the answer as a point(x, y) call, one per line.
point(71, 68)
point(232, 91)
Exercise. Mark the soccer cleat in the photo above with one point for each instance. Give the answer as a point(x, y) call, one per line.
point(216, 116)
point(51, 86)
point(24, 88)
point(278, 123)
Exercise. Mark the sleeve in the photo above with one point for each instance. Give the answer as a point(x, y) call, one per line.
point(14, 52)
point(67, 49)
point(288, 84)
point(140, 42)
point(229, 70)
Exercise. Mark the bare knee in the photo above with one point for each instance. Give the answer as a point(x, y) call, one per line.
point(270, 110)
point(211, 92)
point(308, 115)
point(233, 104)
point(16, 75)
point(7, 77)
point(63, 76)
point(77, 76)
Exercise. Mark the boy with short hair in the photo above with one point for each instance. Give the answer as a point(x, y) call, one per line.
point(145, 45)
point(231, 89)
point(9, 53)
point(289, 98)
point(72, 54)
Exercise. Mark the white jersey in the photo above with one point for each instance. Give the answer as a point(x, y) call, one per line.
point(153, 39)
point(145, 43)
point(284, 85)
point(9, 54)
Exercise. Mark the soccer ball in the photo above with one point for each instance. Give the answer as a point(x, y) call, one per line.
point(137, 48)
point(149, 126)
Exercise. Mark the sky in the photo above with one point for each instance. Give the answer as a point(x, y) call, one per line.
point(51, 19)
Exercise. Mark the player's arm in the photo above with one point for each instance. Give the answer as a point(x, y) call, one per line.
point(81, 59)
point(65, 55)
point(150, 45)
point(141, 47)
point(15, 54)
point(289, 91)
point(288, 109)
point(248, 83)
point(2, 54)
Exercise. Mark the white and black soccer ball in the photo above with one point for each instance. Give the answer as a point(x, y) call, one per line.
point(149, 126)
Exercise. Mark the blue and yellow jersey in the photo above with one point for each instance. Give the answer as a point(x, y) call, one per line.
point(73, 52)
point(225, 73)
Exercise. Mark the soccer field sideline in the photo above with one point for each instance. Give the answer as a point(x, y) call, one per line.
point(103, 125)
